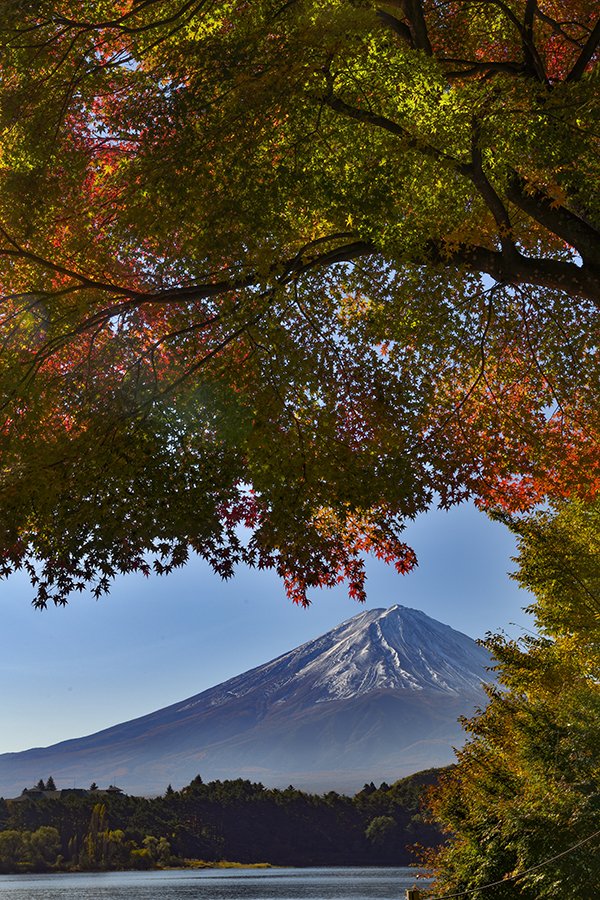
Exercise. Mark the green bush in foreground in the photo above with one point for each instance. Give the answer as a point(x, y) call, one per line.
point(527, 785)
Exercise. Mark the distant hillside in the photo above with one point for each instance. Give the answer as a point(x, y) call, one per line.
point(377, 697)
point(234, 820)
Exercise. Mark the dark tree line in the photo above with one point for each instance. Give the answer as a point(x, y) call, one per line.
point(231, 820)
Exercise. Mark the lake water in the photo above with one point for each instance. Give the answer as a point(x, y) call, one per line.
point(215, 884)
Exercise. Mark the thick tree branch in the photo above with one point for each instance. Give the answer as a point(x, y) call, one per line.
point(398, 27)
point(413, 10)
point(532, 62)
point(582, 281)
point(415, 32)
point(586, 55)
point(559, 27)
point(281, 274)
point(345, 254)
point(490, 197)
point(508, 267)
point(531, 57)
point(560, 221)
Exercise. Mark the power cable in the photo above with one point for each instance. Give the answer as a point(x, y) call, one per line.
point(522, 874)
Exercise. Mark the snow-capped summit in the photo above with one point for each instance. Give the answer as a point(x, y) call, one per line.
point(375, 698)
point(381, 649)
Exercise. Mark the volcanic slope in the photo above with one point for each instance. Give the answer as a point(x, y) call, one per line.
point(374, 699)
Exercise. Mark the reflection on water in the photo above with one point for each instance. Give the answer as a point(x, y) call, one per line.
point(215, 884)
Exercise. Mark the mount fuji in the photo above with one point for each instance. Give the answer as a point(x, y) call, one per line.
point(376, 698)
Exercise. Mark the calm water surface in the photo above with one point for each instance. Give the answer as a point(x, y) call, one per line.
point(215, 884)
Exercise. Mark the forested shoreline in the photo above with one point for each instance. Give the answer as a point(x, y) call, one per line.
point(220, 821)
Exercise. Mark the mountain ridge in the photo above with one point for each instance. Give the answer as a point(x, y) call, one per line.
point(382, 689)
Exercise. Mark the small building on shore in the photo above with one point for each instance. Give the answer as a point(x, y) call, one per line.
point(33, 794)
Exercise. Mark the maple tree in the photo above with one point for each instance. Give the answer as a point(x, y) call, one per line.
point(527, 783)
point(300, 267)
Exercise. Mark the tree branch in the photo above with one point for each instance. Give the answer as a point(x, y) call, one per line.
point(512, 67)
point(15, 250)
point(119, 22)
point(282, 274)
point(413, 10)
point(507, 267)
point(398, 27)
point(582, 281)
point(378, 121)
point(558, 27)
point(490, 197)
point(586, 55)
point(557, 219)
point(531, 57)
point(533, 64)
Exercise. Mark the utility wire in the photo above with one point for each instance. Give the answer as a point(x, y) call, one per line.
point(522, 874)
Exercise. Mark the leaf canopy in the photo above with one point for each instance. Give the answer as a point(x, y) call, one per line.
point(300, 267)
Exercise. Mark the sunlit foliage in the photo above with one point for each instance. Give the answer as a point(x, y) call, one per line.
point(300, 267)
point(526, 789)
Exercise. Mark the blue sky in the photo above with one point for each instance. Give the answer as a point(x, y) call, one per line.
point(71, 671)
